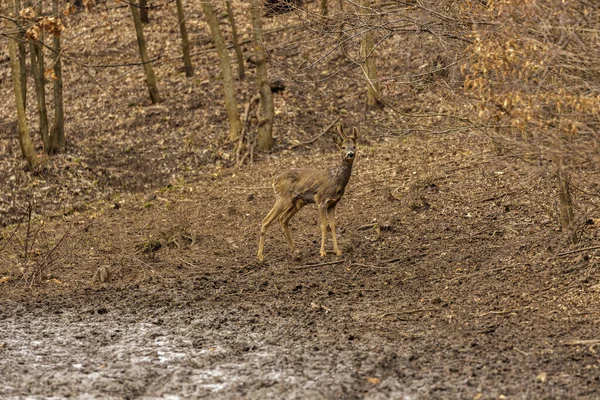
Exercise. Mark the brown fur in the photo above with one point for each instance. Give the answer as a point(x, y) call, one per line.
point(325, 187)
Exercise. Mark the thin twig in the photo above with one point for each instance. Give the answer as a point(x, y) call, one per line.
point(250, 187)
point(393, 260)
point(368, 226)
point(26, 255)
point(320, 264)
point(13, 232)
point(580, 342)
point(318, 136)
point(578, 251)
point(495, 197)
point(477, 273)
point(501, 312)
point(372, 266)
point(409, 312)
point(187, 263)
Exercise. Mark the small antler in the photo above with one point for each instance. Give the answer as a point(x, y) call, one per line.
point(340, 129)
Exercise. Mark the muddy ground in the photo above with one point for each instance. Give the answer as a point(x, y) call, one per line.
point(455, 280)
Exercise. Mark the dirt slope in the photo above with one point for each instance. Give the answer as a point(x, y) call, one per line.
point(456, 291)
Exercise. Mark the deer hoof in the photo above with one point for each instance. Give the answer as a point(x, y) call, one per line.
point(338, 252)
point(323, 253)
point(260, 257)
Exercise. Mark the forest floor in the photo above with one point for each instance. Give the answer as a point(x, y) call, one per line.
point(454, 282)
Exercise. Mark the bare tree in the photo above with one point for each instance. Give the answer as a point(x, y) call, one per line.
point(24, 138)
point(235, 125)
point(37, 70)
point(144, 12)
point(22, 54)
point(236, 44)
point(367, 56)
point(267, 108)
point(148, 69)
point(57, 131)
point(185, 44)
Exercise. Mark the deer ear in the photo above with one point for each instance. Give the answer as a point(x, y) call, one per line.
point(340, 129)
point(354, 135)
point(337, 139)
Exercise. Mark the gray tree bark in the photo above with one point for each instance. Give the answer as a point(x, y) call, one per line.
point(368, 58)
point(37, 70)
point(144, 12)
point(185, 44)
point(236, 45)
point(24, 139)
point(148, 69)
point(235, 125)
point(267, 108)
point(22, 54)
point(57, 131)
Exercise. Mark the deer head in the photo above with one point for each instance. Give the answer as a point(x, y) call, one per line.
point(346, 144)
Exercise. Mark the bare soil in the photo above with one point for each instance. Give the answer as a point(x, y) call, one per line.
point(455, 281)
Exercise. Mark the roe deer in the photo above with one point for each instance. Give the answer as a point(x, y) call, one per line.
point(325, 187)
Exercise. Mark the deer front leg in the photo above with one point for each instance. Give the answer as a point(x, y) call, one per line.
point(331, 217)
point(323, 215)
point(274, 213)
point(284, 220)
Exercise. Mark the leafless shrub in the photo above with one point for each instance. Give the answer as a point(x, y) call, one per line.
point(534, 70)
point(28, 252)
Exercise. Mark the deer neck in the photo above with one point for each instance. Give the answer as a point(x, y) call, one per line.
point(341, 173)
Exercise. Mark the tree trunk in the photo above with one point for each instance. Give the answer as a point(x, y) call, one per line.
point(37, 70)
point(144, 12)
point(267, 108)
point(22, 54)
point(24, 138)
point(323, 7)
point(148, 69)
point(236, 45)
point(187, 60)
point(235, 125)
point(57, 131)
point(368, 58)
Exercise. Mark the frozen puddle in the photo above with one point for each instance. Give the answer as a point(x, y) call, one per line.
point(101, 357)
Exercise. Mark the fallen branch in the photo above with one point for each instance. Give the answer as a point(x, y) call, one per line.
point(365, 227)
point(409, 312)
point(318, 136)
point(581, 342)
point(393, 260)
point(496, 312)
point(251, 187)
point(578, 251)
point(477, 273)
point(320, 264)
point(495, 197)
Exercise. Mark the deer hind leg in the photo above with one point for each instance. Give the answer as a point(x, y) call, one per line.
point(278, 208)
point(284, 220)
point(331, 217)
point(323, 216)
